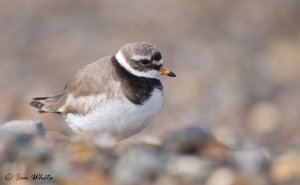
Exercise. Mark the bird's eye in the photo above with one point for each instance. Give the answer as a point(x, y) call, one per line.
point(145, 62)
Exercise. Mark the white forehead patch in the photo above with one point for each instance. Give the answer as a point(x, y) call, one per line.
point(160, 62)
point(139, 57)
point(148, 74)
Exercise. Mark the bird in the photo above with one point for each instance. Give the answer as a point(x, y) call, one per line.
point(118, 94)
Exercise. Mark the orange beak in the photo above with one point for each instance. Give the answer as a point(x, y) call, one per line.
point(166, 71)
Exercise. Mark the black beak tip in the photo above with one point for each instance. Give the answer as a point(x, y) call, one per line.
point(171, 74)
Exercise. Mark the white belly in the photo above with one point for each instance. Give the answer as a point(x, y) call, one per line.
point(118, 116)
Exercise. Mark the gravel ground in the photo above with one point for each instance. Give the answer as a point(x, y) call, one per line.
point(191, 156)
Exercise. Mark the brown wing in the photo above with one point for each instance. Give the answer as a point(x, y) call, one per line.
point(88, 83)
point(92, 79)
point(90, 86)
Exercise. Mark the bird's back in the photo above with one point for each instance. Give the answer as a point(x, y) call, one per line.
point(90, 85)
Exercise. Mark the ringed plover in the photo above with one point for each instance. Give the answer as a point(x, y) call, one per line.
point(117, 94)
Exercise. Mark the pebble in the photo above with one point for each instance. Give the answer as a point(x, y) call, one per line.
point(286, 168)
point(264, 118)
point(24, 127)
point(222, 176)
point(190, 168)
point(188, 140)
point(251, 160)
point(139, 165)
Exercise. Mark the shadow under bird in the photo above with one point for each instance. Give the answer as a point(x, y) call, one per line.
point(118, 94)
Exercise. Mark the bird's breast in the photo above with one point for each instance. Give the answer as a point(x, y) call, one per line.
point(119, 116)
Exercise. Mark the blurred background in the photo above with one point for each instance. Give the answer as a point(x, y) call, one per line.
point(237, 62)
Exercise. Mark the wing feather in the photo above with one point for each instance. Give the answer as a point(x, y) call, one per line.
point(91, 85)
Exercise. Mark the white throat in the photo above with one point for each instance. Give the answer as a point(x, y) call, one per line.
point(148, 74)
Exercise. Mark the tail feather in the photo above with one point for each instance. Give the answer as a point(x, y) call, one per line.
point(37, 103)
point(49, 104)
point(40, 98)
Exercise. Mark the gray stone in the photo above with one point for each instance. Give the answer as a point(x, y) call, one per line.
point(139, 165)
point(188, 140)
point(24, 127)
